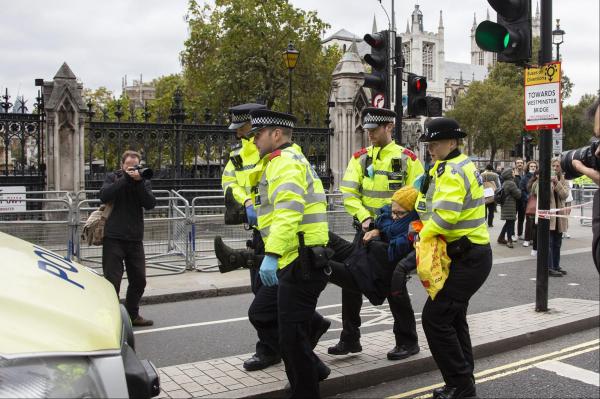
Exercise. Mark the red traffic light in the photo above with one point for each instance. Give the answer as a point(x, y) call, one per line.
point(419, 84)
point(375, 40)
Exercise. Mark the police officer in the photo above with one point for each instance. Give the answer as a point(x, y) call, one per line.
point(372, 176)
point(451, 204)
point(292, 219)
point(236, 177)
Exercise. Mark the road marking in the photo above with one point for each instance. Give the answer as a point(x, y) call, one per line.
point(573, 284)
point(498, 372)
point(233, 320)
point(574, 251)
point(571, 372)
point(502, 275)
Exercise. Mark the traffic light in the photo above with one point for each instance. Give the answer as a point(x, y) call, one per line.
point(510, 37)
point(417, 90)
point(434, 106)
point(379, 59)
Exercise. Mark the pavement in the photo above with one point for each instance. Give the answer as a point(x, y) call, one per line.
point(491, 332)
point(202, 283)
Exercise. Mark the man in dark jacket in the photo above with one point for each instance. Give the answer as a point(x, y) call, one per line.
point(128, 192)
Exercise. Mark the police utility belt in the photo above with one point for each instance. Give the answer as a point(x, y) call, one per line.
point(313, 258)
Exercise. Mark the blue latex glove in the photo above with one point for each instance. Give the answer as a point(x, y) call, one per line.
point(251, 215)
point(268, 271)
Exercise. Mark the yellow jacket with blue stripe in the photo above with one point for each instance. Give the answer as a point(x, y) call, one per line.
point(453, 202)
point(374, 174)
point(290, 198)
point(242, 160)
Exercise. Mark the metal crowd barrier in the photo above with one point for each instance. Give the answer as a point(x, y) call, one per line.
point(178, 233)
point(584, 196)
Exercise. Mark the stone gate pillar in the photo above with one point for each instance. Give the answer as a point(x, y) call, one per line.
point(349, 98)
point(65, 115)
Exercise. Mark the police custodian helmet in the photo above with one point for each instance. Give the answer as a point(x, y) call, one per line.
point(442, 129)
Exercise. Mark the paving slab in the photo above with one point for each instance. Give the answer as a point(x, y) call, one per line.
point(491, 332)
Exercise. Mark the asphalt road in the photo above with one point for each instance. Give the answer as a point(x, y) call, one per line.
point(209, 328)
point(565, 367)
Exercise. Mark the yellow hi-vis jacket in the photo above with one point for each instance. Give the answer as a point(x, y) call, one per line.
point(453, 205)
point(374, 174)
point(290, 199)
point(242, 160)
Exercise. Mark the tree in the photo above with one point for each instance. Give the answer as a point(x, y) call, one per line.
point(488, 112)
point(234, 55)
point(577, 127)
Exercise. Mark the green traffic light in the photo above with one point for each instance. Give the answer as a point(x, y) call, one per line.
point(492, 37)
point(506, 40)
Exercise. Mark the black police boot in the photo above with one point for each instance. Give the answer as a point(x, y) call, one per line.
point(318, 332)
point(231, 259)
point(259, 362)
point(403, 351)
point(449, 392)
point(343, 348)
point(323, 371)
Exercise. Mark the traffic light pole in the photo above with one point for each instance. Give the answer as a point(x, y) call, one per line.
point(398, 107)
point(544, 192)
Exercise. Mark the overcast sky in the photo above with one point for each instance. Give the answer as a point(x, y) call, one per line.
point(102, 41)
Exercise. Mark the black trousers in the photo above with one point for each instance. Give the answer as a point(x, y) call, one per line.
point(445, 319)
point(520, 216)
point(297, 301)
point(490, 209)
point(115, 253)
point(405, 325)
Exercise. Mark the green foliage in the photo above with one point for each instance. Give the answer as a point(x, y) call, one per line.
point(234, 55)
point(489, 113)
point(577, 127)
point(160, 107)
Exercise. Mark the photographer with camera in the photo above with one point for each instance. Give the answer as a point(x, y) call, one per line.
point(586, 161)
point(129, 190)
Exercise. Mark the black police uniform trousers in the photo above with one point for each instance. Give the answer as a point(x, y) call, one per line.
point(445, 318)
point(115, 253)
point(262, 312)
point(405, 325)
point(296, 302)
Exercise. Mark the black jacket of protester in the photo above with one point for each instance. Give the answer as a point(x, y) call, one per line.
point(126, 221)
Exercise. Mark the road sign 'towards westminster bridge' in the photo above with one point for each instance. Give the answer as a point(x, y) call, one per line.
point(542, 97)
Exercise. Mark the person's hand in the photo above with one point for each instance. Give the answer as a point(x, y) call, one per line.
point(399, 279)
point(268, 271)
point(589, 172)
point(366, 223)
point(134, 174)
point(251, 215)
point(369, 235)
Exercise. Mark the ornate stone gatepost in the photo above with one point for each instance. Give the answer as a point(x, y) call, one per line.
point(349, 98)
point(65, 113)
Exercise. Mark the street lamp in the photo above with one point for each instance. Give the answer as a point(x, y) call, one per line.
point(557, 38)
point(290, 57)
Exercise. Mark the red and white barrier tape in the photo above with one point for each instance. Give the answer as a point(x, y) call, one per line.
point(547, 214)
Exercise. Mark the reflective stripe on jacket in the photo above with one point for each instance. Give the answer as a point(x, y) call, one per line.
point(237, 177)
point(454, 206)
point(364, 195)
point(290, 199)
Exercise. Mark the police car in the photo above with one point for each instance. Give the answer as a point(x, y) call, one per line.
point(62, 330)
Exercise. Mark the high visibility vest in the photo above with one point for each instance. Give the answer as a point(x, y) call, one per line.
point(451, 202)
point(242, 160)
point(290, 198)
point(374, 174)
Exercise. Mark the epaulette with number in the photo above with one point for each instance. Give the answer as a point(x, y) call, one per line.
point(409, 154)
point(360, 152)
point(441, 169)
point(274, 154)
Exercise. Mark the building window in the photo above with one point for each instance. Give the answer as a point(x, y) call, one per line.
point(406, 55)
point(481, 54)
point(428, 60)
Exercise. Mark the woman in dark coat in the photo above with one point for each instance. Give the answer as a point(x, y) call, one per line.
point(509, 208)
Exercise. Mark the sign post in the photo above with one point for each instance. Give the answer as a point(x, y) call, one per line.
point(542, 97)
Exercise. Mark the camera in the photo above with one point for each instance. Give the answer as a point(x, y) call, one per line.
point(146, 173)
point(587, 156)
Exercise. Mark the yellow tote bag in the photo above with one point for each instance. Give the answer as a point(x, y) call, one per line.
point(433, 264)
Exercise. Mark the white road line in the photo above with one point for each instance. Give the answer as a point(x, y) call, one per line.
point(223, 321)
point(571, 372)
point(500, 261)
